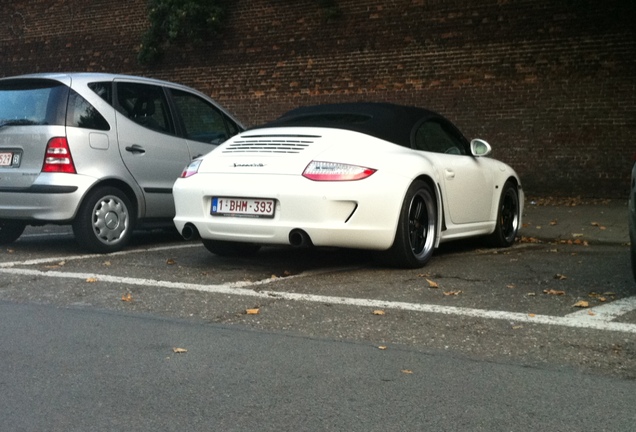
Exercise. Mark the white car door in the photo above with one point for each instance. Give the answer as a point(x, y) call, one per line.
point(468, 181)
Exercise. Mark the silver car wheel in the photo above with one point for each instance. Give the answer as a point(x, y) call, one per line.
point(105, 220)
point(110, 219)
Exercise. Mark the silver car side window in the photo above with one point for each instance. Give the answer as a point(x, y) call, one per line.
point(201, 120)
point(144, 104)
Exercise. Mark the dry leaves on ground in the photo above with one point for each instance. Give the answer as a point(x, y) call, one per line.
point(432, 284)
point(581, 304)
point(553, 292)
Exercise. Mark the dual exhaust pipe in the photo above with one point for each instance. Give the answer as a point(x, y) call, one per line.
point(297, 237)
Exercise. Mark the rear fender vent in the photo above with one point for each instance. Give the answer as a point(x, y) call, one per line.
point(270, 144)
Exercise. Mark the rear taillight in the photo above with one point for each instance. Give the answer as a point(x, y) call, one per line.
point(333, 171)
point(191, 169)
point(58, 157)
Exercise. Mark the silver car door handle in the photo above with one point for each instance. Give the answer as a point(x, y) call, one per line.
point(135, 148)
point(449, 174)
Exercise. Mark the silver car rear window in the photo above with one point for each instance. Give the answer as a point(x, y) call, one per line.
point(32, 102)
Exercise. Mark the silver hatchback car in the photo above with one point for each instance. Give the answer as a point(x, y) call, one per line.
point(99, 151)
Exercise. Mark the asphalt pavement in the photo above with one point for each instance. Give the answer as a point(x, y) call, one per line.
point(575, 220)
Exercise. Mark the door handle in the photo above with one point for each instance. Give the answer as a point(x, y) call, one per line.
point(450, 174)
point(135, 148)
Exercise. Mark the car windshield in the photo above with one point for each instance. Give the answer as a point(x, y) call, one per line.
point(30, 102)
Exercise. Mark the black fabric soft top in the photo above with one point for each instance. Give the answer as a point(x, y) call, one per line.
point(390, 122)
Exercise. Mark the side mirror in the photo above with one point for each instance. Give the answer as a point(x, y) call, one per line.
point(479, 148)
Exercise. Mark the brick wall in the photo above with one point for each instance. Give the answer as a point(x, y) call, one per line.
point(551, 85)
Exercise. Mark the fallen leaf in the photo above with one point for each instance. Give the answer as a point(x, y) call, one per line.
point(406, 371)
point(581, 304)
point(127, 297)
point(107, 263)
point(591, 313)
point(179, 350)
point(553, 292)
point(517, 327)
point(531, 315)
point(531, 294)
point(170, 261)
point(529, 240)
point(452, 293)
point(379, 312)
point(432, 284)
point(554, 222)
point(560, 276)
point(91, 280)
point(510, 286)
point(382, 347)
point(253, 311)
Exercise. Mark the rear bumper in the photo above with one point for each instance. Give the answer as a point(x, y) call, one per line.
point(341, 214)
point(55, 200)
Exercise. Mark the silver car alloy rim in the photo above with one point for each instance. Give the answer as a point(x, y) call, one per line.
point(110, 219)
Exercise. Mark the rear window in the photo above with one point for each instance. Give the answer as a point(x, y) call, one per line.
point(32, 102)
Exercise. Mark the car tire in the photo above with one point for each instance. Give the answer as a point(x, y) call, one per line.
point(230, 249)
point(105, 221)
point(508, 216)
point(10, 231)
point(416, 232)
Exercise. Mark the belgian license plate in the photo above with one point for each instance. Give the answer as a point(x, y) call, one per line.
point(6, 159)
point(252, 207)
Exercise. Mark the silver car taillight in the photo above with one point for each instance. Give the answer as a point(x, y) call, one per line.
point(58, 157)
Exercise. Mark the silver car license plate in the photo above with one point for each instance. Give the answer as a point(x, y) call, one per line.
point(6, 159)
point(251, 207)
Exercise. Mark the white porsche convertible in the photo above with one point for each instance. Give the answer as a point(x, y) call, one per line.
point(395, 179)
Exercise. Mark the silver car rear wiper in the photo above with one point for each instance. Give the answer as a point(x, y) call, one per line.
point(17, 122)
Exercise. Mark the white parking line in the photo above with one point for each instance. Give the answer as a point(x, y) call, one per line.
point(88, 256)
point(598, 318)
point(607, 311)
